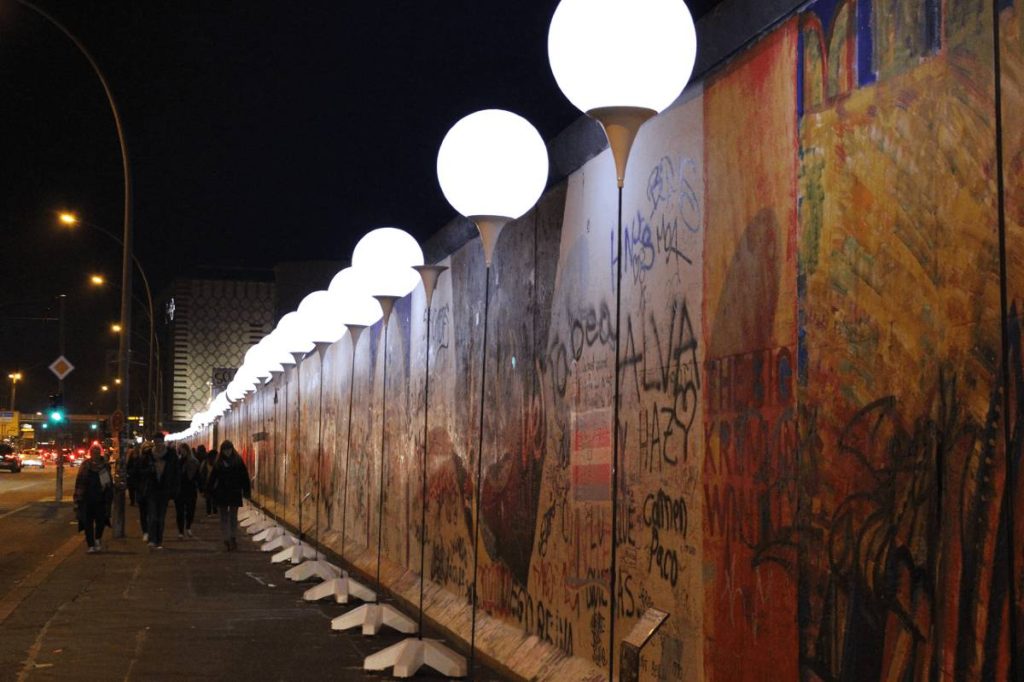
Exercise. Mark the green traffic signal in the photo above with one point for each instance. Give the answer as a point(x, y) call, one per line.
point(56, 416)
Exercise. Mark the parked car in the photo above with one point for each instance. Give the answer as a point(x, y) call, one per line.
point(9, 459)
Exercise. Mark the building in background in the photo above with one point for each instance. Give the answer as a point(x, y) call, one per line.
point(208, 324)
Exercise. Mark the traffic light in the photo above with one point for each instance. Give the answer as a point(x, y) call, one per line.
point(56, 411)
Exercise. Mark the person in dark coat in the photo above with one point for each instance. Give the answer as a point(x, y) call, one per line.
point(205, 466)
point(185, 500)
point(228, 484)
point(139, 469)
point(163, 480)
point(94, 493)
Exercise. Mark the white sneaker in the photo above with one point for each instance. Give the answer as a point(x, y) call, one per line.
point(91, 550)
point(98, 546)
point(181, 536)
point(145, 537)
point(188, 532)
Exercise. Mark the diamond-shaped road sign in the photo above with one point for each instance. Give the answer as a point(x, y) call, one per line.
point(61, 367)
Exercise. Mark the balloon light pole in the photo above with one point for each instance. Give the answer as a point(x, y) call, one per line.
point(411, 654)
point(324, 328)
point(386, 258)
point(492, 167)
point(621, 89)
point(356, 310)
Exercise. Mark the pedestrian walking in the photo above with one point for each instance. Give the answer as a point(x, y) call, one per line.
point(163, 481)
point(94, 493)
point(228, 484)
point(206, 460)
point(139, 472)
point(185, 500)
point(133, 456)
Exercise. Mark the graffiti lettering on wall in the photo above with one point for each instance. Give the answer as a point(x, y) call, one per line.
point(674, 211)
point(663, 513)
point(448, 561)
point(663, 362)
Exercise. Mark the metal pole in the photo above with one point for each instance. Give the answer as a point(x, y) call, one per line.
point(59, 492)
point(479, 470)
point(383, 440)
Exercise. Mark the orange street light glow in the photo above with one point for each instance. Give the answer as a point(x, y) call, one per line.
point(117, 381)
point(98, 280)
point(104, 388)
point(68, 218)
point(116, 328)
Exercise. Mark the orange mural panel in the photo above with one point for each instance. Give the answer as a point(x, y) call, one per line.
point(750, 336)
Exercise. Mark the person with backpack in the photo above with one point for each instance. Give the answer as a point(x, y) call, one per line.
point(94, 493)
point(228, 484)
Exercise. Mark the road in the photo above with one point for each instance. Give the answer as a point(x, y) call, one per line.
point(32, 527)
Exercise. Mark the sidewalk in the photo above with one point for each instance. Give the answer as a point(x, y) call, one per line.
point(190, 611)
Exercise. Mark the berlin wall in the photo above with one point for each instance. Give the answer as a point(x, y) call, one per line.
point(820, 377)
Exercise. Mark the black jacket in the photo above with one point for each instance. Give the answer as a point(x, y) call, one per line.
point(168, 482)
point(229, 482)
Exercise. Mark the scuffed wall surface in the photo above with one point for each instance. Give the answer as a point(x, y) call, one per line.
point(817, 459)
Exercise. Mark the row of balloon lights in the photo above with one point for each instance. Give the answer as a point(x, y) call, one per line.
point(490, 163)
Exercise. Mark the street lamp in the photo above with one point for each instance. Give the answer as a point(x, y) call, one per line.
point(492, 167)
point(621, 88)
point(70, 219)
point(15, 377)
point(116, 328)
point(97, 280)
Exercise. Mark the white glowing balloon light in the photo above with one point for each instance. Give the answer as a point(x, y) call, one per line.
point(318, 314)
point(622, 53)
point(274, 347)
point(492, 163)
point(355, 303)
point(386, 257)
point(293, 335)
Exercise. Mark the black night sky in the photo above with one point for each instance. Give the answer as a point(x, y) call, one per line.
point(258, 131)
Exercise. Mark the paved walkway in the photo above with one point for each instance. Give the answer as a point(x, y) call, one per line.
point(190, 611)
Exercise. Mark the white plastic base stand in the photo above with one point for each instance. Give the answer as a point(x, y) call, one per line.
point(372, 617)
point(250, 519)
point(244, 513)
point(318, 568)
point(409, 655)
point(280, 542)
point(258, 525)
point(295, 554)
point(268, 533)
point(341, 588)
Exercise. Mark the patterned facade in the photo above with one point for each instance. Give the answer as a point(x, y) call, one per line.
point(210, 325)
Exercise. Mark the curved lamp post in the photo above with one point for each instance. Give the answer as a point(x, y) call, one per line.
point(357, 310)
point(621, 88)
point(385, 258)
point(492, 167)
point(126, 279)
